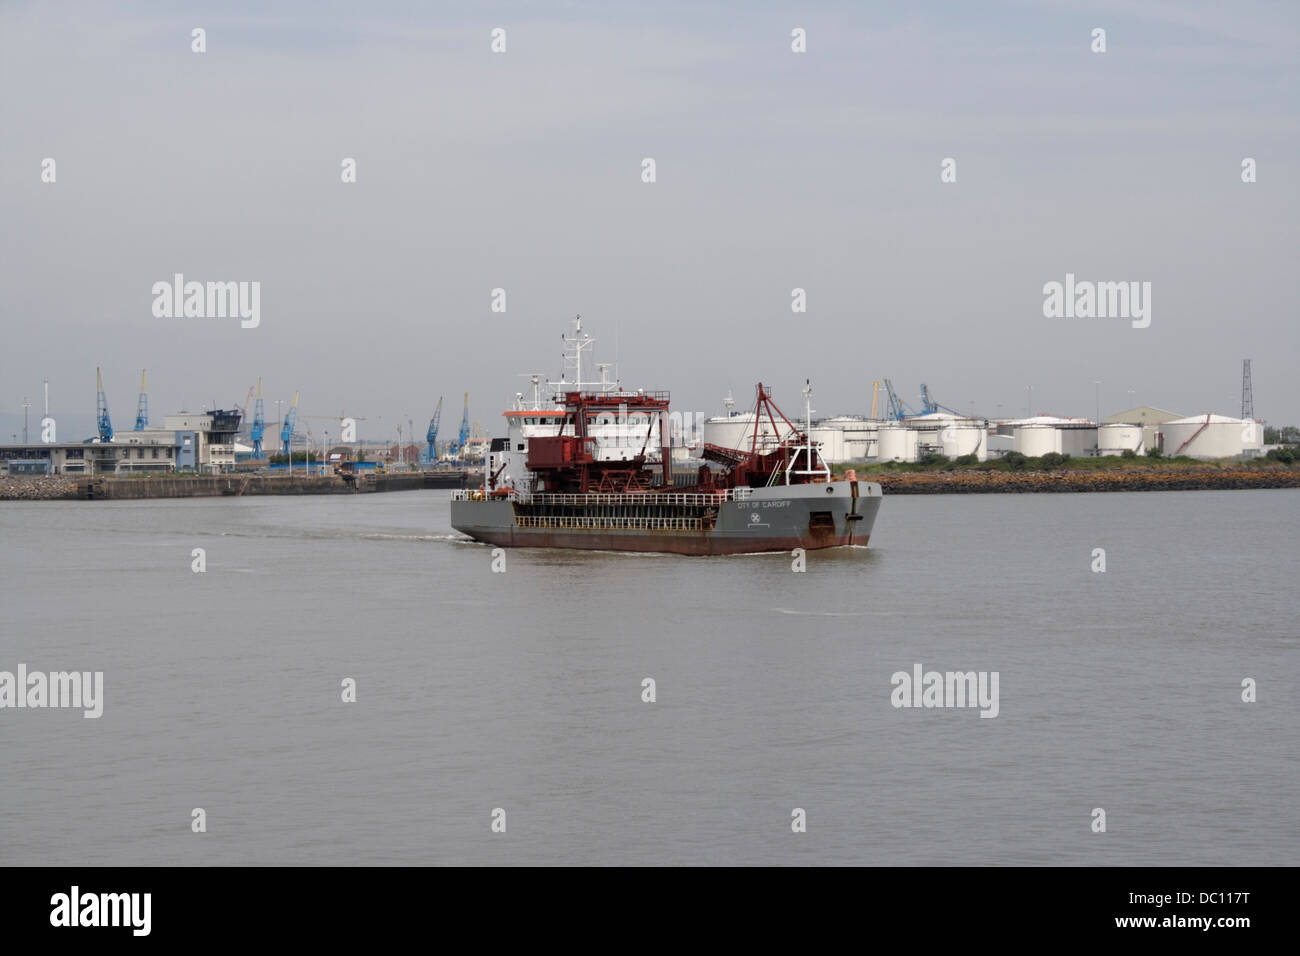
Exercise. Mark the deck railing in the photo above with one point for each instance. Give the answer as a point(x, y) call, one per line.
point(647, 498)
point(608, 524)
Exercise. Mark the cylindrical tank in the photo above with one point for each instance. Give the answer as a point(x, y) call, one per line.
point(897, 443)
point(960, 438)
point(1077, 441)
point(844, 438)
point(1034, 441)
point(735, 431)
point(831, 439)
point(1211, 436)
point(1117, 439)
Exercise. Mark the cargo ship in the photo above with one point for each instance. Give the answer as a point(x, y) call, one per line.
point(594, 469)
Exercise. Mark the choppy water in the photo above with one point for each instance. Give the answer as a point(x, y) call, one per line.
point(478, 690)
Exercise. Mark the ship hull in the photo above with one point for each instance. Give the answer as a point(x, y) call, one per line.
point(812, 517)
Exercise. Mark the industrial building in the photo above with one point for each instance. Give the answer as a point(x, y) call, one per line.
point(59, 458)
point(203, 443)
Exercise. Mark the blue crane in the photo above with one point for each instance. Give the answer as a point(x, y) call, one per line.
point(142, 405)
point(898, 409)
point(259, 423)
point(432, 435)
point(101, 410)
point(290, 419)
point(463, 439)
point(929, 406)
point(457, 449)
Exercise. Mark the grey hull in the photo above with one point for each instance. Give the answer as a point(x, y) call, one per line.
point(781, 518)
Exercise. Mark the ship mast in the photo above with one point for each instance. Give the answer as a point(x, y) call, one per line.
point(576, 342)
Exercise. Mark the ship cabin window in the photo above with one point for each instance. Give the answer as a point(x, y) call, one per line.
point(521, 447)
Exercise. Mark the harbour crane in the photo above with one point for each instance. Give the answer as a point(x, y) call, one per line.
point(457, 450)
point(290, 419)
point(897, 408)
point(432, 435)
point(248, 400)
point(102, 420)
point(142, 405)
point(259, 423)
point(929, 406)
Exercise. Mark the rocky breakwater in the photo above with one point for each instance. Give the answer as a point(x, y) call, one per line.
point(36, 487)
point(975, 481)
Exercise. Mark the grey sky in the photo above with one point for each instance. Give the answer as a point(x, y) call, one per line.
point(775, 170)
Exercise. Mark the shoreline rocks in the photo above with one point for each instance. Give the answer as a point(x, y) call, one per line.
point(974, 481)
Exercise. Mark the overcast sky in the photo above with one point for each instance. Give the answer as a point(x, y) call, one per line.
point(522, 170)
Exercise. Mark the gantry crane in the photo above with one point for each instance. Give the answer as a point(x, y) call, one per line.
point(290, 420)
point(458, 450)
point(102, 420)
point(431, 437)
point(259, 423)
point(142, 405)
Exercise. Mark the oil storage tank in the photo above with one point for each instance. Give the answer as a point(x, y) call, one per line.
point(1034, 437)
point(965, 436)
point(736, 431)
point(1117, 439)
point(1212, 436)
point(897, 443)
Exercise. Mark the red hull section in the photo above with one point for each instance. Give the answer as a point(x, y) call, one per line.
point(663, 543)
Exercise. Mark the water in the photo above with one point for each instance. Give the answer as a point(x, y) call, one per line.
point(478, 690)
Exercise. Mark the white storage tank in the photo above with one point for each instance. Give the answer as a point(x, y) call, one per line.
point(844, 438)
point(1032, 441)
point(1077, 441)
point(736, 431)
point(1000, 444)
point(897, 443)
point(1034, 437)
point(965, 436)
point(831, 439)
point(1212, 436)
point(872, 441)
point(1117, 439)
